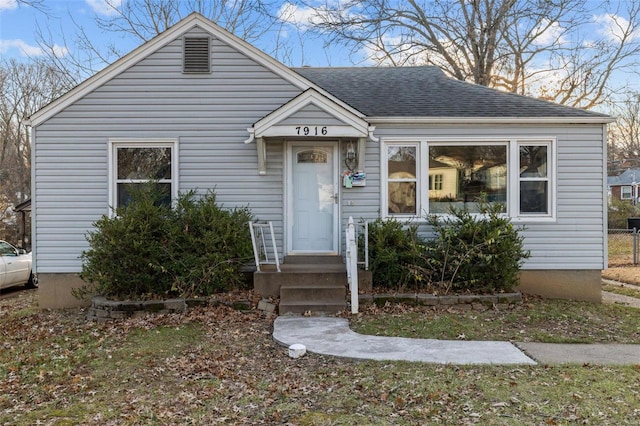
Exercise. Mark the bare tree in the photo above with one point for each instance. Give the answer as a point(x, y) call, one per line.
point(546, 48)
point(624, 134)
point(25, 87)
point(137, 21)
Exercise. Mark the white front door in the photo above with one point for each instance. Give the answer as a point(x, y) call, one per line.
point(313, 198)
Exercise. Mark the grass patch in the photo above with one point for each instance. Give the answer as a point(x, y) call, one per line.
point(535, 320)
point(622, 289)
point(222, 366)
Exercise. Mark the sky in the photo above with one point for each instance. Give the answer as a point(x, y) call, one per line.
point(19, 24)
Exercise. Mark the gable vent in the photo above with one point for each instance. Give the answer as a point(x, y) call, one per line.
point(196, 55)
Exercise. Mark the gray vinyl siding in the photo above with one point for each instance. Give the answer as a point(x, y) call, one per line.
point(311, 115)
point(576, 239)
point(207, 113)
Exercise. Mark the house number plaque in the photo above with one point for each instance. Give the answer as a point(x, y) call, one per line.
point(312, 131)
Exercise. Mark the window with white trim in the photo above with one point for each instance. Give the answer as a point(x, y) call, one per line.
point(626, 193)
point(534, 179)
point(469, 171)
point(135, 163)
point(402, 179)
point(430, 176)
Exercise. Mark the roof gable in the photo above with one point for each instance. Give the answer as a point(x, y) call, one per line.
point(288, 119)
point(138, 54)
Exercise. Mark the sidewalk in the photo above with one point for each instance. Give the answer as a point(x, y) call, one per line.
point(332, 336)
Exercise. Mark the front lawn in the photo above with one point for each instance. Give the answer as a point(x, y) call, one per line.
point(535, 320)
point(221, 366)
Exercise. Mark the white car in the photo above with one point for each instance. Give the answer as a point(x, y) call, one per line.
point(15, 267)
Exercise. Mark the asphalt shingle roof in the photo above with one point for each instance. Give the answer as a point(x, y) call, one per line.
point(427, 92)
point(628, 177)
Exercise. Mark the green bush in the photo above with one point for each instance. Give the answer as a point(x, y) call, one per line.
point(150, 249)
point(619, 211)
point(209, 245)
point(471, 253)
point(392, 246)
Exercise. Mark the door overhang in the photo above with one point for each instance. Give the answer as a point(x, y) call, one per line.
point(312, 116)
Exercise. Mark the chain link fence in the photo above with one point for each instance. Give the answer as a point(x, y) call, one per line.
point(624, 247)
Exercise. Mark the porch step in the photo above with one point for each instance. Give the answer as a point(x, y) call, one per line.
point(324, 293)
point(312, 260)
point(302, 287)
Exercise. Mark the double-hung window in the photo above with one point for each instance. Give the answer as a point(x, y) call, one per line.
point(135, 163)
point(431, 176)
point(626, 193)
point(402, 179)
point(533, 173)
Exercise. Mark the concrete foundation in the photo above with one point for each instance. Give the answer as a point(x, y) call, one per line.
point(54, 291)
point(584, 285)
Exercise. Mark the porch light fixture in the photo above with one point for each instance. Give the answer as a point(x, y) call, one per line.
point(351, 157)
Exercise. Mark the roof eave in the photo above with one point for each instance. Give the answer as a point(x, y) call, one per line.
point(491, 120)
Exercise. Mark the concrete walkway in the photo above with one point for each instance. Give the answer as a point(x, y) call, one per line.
point(332, 336)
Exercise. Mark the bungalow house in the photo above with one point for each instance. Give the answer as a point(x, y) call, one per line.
point(625, 186)
point(213, 111)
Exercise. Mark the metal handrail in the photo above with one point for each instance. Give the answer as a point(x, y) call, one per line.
point(257, 229)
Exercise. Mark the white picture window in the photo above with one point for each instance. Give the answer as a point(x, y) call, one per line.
point(431, 176)
point(468, 172)
point(135, 163)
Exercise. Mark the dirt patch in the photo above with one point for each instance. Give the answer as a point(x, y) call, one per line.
point(625, 274)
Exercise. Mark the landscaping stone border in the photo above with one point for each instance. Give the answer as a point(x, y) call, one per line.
point(463, 301)
point(105, 310)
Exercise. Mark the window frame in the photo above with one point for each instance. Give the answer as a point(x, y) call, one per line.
point(417, 179)
point(550, 179)
point(512, 144)
point(115, 144)
point(630, 188)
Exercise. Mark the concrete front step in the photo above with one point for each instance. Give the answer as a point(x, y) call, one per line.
point(312, 293)
point(315, 307)
point(319, 287)
point(268, 283)
point(312, 260)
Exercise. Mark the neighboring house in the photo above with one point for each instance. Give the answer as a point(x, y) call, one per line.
point(625, 186)
point(198, 108)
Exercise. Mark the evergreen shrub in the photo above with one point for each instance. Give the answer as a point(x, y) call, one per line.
point(466, 253)
point(149, 249)
point(472, 253)
point(392, 246)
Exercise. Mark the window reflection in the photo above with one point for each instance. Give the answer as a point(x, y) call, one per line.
point(460, 174)
point(401, 169)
